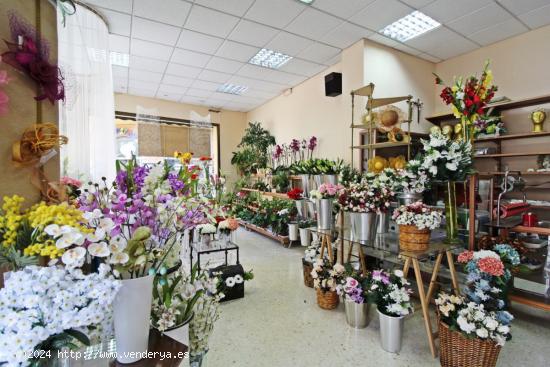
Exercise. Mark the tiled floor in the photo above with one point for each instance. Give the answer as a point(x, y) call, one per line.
point(278, 323)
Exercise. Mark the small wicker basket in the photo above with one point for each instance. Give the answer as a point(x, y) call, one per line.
point(458, 351)
point(307, 268)
point(413, 239)
point(327, 300)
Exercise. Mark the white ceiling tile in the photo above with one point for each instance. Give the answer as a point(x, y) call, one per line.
point(260, 94)
point(479, 19)
point(201, 84)
point(119, 43)
point(319, 53)
point(224, 65)
point(383, 40)
point(499, 32)
point(198, 92)
point(119, 23)
point(417, 4)
point(342, 9)
point(252, 33)
point(334, 60)
point(195, 41)
point(119, 71)
point(139, 84)
point(120, 88)
point(150, 49)
point(258, 84)
point(537, 18)
point(172, 12)
point(216, 103)
point(221, 96)
point(235, 7)
point(169, 96)
point(432, 39)
point(191, 58)
point(458, 46)
point(345, 35)
point(214, 76)
point(146, 76)
point(519, 7)
point(407, 49)
point(237, 51)
point(142, 92)
point(170, 88)
point(277, 14)
point(211, 22)
point(257, 72)
point(193, 100)
point(446, 10)
point(429, 57)
point(313, 24)
point(289, 43)
point(302, 67)
point(124, 6)
point(177, 80)
point(182, 70)
point(149, 30)
point(380, 14)
point(145, 63)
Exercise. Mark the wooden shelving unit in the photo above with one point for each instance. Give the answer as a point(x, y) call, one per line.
point(278, 195)
point(512, 137)
point(283, 240)
point(506, 155)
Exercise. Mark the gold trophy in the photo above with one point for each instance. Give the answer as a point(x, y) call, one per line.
point(458, 132)
point(537, 118)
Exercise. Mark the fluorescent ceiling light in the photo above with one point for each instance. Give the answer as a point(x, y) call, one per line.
point(232, 89)
point(307, 2)
point(410, 26)
point(269, 59)
point(119, 59)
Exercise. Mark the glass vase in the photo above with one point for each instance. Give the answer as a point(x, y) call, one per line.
point(451, 215)
point(198, 360)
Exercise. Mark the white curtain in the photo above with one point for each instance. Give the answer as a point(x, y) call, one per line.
point(87, 116)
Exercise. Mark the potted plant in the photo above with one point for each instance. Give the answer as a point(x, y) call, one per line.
point(356, 291)
point(325, 281)
point(305, 235)
point(413, 181)
point(392, 296)
point(310, 255)
point(325, 198)
point(416, 222)
point(296, 194)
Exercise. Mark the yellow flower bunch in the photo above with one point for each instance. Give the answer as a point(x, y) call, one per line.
point(184, 158)
point(43, 249)
point(11, 219)
point(43, 214)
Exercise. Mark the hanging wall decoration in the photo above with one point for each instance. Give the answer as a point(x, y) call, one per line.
point(36, 143)
point(29, 54)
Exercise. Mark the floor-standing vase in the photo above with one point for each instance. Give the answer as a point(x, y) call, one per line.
point(301, 206)
point(451, 215)
point(324, 213)
point(132, 311)
point(391, 332)
point(363, 226)
point(305, 184)
point(383, 222)
point(293, 231)
point(357, 314)
point(305, 238)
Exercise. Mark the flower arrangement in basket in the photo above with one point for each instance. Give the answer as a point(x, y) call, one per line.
point(475, 326)
point(325, 280)
point(416, 221)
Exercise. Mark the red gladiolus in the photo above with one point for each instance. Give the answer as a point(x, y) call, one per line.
point(295, 194)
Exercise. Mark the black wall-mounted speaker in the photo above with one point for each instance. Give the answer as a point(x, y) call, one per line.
point(333, 84)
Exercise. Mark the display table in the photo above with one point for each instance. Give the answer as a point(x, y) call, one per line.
point(386, 247)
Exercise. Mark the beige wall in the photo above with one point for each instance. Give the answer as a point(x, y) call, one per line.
point(16, 179)
point(307, 111)
point(232, 124)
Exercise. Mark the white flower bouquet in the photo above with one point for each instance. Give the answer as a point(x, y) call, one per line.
point(391, 292)
point(366, 197)
point(49, 308)
point(445, 159)
point(206, 228)
point(414, 178)
point(417, 214)
point(325, 276)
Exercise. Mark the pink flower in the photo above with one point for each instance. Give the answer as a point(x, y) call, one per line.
point(465, 256)
point(491, 266)
point(351, 282)
point(70, 181)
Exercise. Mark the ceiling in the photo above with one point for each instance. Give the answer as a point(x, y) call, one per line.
point(184, 50)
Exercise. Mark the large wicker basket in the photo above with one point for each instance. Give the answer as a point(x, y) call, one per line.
point(327, 300)
point(458, 351)
point(307, 268)
point(413, 239)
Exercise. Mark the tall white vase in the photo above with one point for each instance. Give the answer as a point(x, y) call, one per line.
point(132, 311)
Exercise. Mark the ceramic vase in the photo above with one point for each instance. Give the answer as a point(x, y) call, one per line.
point(324, 213)
point(357, 314)
point(132, 311)
point(363, 227)
point(391, 332)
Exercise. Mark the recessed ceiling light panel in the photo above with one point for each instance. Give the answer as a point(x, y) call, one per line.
point(232, 89)
point(410, 26)
point(269, 59)
point(119, 59)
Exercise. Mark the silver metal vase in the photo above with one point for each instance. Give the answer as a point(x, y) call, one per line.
point(383, 222)
point(324, 213)
point(318, 181)
point(301, 206)
point(357, 314)
point(305, 184)
point(330, 179)
point(406, 198)
point(363, 227)
point(293, 231)
point(305, 237)
point(391, 332)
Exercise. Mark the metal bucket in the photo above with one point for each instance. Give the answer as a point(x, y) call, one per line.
point(293, 231)
point(363, 227)
point(391, 332)
point(330, 179)
point(324, 213)
point(301, 206)
point(383, 221)
point(357, 314)
point(305, 237)
point(317, 181)
point(408, 198)
point(306, 187)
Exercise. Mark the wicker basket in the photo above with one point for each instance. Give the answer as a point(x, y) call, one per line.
point(413, 239)
point(327, 300)
point(307, 268)
point(459, 351)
